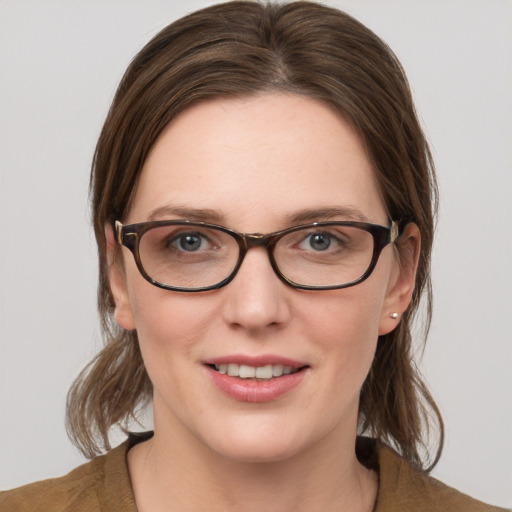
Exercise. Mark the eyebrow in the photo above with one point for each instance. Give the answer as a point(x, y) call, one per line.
point(300, 217)
point(199, 214)
point(345, 213)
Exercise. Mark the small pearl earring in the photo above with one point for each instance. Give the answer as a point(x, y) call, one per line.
point(394, 316)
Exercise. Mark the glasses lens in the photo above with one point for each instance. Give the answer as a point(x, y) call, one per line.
point(187, 256)
point(325, 256)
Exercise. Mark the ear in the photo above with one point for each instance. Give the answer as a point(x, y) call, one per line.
point(401, 284)
point(117, 279)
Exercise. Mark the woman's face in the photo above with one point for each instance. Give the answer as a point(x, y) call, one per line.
point(257, 165)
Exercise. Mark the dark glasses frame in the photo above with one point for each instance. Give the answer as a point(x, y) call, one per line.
point(129, 236)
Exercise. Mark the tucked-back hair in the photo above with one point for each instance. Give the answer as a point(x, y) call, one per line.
point(241, 49)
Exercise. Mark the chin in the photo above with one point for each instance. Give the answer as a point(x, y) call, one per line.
point(258, 452)
point(258, 443)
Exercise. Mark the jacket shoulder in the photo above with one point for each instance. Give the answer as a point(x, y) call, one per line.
point(77, 492)
point(404, 487)
point(99, 485)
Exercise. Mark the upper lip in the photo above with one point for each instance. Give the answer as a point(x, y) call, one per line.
point(261, 360)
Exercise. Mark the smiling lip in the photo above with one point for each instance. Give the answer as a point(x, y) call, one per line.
point(254, 390)
point(262, 360)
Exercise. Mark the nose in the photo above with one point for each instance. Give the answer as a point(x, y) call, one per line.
point(257, 299)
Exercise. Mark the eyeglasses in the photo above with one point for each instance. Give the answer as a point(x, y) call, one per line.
point(190, 256)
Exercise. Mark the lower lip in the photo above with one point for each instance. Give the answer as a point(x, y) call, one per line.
point(256, 391)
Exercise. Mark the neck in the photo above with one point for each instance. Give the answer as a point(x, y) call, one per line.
point(172, 475)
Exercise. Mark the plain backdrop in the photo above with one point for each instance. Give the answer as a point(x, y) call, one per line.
point(60, 63)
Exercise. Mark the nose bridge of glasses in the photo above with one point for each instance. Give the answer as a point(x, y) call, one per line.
point(256, 240)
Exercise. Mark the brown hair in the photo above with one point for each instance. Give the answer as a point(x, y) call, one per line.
point(240, 49)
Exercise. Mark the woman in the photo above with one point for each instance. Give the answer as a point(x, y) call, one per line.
point(264, 356)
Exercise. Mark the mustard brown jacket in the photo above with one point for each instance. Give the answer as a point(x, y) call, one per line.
point(103, 485)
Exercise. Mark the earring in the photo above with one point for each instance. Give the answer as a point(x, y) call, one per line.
point(394, 316)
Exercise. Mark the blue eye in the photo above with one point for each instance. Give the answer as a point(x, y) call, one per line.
point(319, 241)
point(188, 242)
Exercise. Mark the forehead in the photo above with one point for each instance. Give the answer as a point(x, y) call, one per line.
point(256, 161)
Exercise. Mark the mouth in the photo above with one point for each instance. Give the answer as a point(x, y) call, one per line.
point(256, 379)
point(257, 373)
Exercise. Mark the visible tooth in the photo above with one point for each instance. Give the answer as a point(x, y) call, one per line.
point(264, 372)
point(233, 369)
point(287, 370)
point(244, 371)
point(247, 372)
point(277, 370)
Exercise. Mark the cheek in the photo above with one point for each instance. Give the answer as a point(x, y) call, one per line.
point(349, 316)
point(164, 319)
point(345, 326)
point(168, 327)
point(169, 333)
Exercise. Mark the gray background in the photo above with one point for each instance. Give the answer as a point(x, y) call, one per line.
point(60, 62)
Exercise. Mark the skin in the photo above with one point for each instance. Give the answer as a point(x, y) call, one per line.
point(258, 162)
